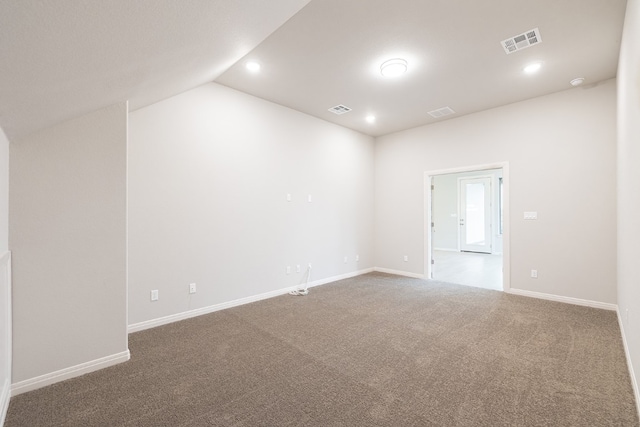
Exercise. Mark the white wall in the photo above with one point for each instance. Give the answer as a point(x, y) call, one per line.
point(445, 209)
point(4, 193)
point(209, 171)
point(629, 185)
point(67, 216)
point(5, 280)
point(562, 160)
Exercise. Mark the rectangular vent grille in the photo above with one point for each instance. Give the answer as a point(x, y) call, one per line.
point(340, 109)
point(521, 41)
point(441, 112)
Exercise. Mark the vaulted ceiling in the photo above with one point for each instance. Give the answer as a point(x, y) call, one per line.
point(61, 59)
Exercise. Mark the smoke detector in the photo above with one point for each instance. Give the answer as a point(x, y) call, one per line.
point(441, 112)
point(521, 41)
point(340, 109)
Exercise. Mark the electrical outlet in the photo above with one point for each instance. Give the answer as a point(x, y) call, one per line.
point(406, 258)
point(534, 274)
point(192, 288)
point(357, 258)
point(345, 260)
point(298, 268)
point(288, 197)
point(288, 269)
point(154, 295)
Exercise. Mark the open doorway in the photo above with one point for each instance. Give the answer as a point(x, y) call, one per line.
point(467, 226)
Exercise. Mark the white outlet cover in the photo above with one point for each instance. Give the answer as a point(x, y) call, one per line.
point(531, 215)
point(288, 270)
point(154, 295)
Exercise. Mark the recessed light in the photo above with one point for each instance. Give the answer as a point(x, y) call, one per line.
point(533, 67)
point(577, 81)
point(370, 118)
point(253, 66)
point(393, 67)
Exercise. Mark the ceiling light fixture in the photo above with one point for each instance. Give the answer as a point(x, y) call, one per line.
point(533, 68)
point(393, 67)
point(370, 118)
point(577, 81)
point(253, 66)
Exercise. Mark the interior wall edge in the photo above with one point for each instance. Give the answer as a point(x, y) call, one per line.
point(5, 283)
point(627, 354)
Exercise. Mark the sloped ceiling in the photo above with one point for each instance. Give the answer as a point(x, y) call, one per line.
point(330, 53)
point(61, 59)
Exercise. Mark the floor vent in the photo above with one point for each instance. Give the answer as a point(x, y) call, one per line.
point(521, 41)
point(340, 109)
point(441, 112)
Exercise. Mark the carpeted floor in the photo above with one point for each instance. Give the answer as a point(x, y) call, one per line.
point(375, 350)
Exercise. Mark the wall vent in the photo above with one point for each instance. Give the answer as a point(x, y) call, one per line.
point(521, 41)
point(441, 112)
point(340, 109)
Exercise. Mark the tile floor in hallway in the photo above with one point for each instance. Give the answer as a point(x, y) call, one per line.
point(468, 268)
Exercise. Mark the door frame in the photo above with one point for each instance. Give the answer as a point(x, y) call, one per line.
point(428, 219)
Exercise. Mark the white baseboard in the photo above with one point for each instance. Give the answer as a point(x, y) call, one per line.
point(399, 273)
point(67, 373)
point(135, 327)
point(446, 249)
point(567, 300)
point(5, 396)
point(634, 382)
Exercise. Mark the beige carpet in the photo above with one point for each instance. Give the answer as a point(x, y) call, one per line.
point(375, 350)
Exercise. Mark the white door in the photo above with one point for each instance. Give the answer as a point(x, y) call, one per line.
point(475, 215)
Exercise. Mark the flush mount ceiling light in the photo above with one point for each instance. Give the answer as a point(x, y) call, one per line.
point(533, 68)
point(253, 66)
point(393, 67)
point(370, 118)
point(577, 81)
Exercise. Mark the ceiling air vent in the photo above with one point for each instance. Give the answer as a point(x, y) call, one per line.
point(441, 112)
point(521, 41)
point(340, 109)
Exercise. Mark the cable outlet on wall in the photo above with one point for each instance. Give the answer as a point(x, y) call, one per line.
point(154, 295)
point(534, 274)
point(192, 288)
